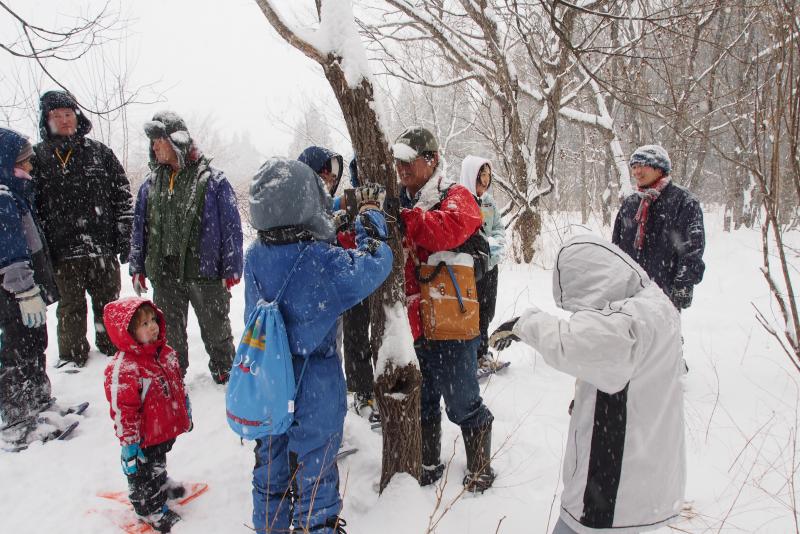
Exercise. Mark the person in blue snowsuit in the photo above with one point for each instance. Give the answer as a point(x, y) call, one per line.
point(290, 208)
point(27, 286)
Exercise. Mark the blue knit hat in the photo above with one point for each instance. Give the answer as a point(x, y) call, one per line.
point(653, 156)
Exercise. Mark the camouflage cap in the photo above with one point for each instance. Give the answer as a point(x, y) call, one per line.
point(413, 142)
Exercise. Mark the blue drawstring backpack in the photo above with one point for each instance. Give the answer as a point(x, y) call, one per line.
point(261, 390)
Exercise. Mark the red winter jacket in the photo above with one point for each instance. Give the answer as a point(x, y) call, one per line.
point(143, 383)
point(429, 230)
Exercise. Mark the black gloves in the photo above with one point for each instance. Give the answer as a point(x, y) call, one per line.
point(681, 297)
point(503, 335)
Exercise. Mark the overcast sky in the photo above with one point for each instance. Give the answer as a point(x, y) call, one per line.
point(206, 56)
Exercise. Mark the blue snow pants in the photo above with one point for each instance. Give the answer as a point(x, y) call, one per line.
point(314, 437)
point(449, 369)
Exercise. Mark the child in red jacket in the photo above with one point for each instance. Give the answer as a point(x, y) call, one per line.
point(149, 406)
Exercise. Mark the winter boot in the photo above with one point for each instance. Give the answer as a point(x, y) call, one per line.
point(478, 445)
point(336, 523)
point(163, 520)
point(365, 406)
point(432, 466)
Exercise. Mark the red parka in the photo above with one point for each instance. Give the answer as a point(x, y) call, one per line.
point(435, 224)
point(143, 383)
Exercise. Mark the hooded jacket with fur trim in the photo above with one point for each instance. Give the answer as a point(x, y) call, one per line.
point(442, 216)
point(143, 383)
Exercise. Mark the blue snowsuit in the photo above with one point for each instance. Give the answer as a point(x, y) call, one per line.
point(328, 280)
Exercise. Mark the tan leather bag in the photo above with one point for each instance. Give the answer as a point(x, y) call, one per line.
point(449, 298)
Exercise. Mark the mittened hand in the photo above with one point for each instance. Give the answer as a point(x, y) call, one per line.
point(230, 282)
point(340, 220)
point(130, 456)
point(32, 307)
point(504, 335)
point(370, 197)
point(681, 297)
point(372, 223)
point(139, 284)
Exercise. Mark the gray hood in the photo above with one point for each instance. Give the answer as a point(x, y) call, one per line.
point(287, 193)
point(590, 273)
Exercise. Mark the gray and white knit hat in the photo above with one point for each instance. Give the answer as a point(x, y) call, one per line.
point(653, 156)
point(287, 193)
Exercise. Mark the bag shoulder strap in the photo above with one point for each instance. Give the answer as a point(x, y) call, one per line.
point(289, 276)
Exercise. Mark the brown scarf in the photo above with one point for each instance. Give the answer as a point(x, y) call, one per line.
point(647, 196)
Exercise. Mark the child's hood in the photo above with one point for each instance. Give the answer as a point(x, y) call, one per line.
point(590, 273)
point(117, 316)
point(469, 172)
point(11, 143)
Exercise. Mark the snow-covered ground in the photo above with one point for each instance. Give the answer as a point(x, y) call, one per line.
point(741, 422)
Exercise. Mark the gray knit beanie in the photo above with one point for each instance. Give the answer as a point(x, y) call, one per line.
point(286, 192)
point(653, 156)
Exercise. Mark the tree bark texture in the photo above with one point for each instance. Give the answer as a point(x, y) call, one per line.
point(397, 390)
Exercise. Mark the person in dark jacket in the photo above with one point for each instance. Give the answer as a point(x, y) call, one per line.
point(295, 245)
point(187, 239)
point(83, 199)
point(661, 227)
point(26, 288)
point(357, 352)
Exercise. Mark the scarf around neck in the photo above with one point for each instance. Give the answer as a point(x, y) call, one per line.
point(647, 195)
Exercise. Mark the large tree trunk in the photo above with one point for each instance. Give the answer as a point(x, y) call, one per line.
point(397, 390)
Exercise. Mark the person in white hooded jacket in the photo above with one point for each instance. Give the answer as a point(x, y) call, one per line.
point(476, 175)
point(625, 464)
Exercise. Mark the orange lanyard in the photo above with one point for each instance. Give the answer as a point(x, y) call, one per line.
point(172, 180)
point(65, 160)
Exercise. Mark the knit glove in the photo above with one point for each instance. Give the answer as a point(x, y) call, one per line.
point(139, 284)
point(370, 197)
point(340, 220)
point(681, 297)
point(130, 456)
point(504, 335)
point(32, 307)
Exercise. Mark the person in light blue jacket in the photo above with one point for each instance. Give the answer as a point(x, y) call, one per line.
point(476, 175)
point(290, 208)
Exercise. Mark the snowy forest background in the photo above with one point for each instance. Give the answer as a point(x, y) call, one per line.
point(557, 94)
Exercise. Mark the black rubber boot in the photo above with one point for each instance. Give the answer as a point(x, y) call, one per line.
point(478, 445)
point(432, 466)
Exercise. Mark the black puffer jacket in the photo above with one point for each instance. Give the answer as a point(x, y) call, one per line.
point(674, 241)
point(85, 205)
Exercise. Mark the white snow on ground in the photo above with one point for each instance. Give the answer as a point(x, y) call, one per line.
point(741, 415)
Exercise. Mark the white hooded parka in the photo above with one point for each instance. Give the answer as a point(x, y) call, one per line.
point(625, 464)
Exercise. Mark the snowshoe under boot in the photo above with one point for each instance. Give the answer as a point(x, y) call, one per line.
point(478, 445)
point(432, 466)
point(161, 521)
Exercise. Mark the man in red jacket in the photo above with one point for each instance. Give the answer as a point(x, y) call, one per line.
point(439, 215)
